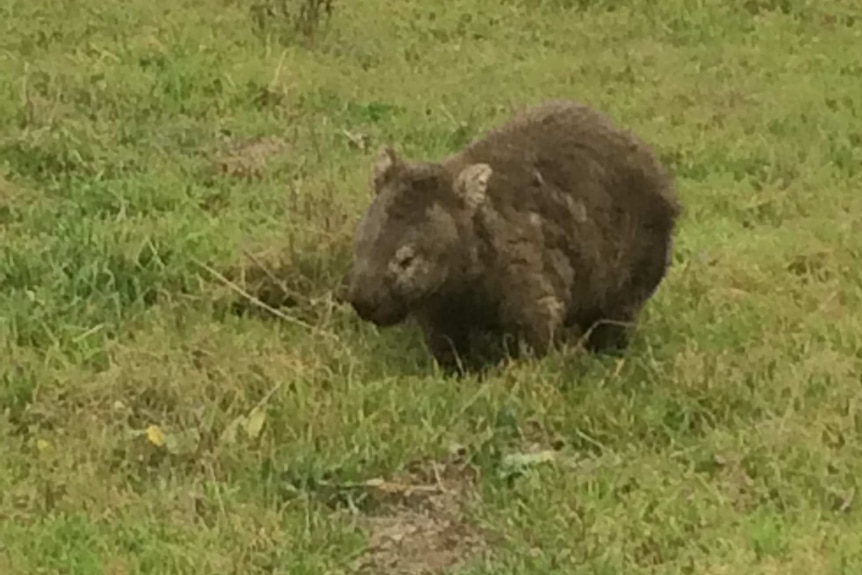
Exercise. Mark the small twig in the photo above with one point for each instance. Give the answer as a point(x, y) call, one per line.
point(256, 261)
point(235, 288)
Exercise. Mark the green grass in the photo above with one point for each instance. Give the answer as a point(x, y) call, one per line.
point(726, 441)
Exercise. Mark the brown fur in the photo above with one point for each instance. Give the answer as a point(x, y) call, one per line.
point(549, 224)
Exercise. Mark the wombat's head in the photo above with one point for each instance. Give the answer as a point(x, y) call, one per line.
point(412, 238)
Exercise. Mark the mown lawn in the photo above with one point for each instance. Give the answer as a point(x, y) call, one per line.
point(159, 156)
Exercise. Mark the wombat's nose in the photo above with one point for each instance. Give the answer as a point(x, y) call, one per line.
point(363, 307)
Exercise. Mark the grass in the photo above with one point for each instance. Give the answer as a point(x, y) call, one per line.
point(150, 147)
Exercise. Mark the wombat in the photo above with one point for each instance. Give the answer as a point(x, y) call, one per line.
point(553, 226)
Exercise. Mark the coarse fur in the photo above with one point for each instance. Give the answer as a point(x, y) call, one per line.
point(553, 226)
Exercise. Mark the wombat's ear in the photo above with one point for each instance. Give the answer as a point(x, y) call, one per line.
point(472, 184)
point(386, 160)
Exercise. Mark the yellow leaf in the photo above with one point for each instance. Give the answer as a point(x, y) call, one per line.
point(255, 422)
point(155, 435)
point(43, 445)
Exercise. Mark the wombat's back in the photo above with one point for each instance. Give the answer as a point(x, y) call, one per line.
point(600, 194)
point(561, 142)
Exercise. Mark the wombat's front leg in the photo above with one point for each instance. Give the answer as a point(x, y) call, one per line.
point(537, 316)
point(447, 342)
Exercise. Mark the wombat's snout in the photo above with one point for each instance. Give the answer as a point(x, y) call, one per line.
point(372, 309)
point(363, 307)
point(361, 301)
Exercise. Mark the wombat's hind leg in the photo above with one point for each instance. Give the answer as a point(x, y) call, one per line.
point(609, 334)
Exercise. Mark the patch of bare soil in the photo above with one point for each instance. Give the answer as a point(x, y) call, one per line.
point(247, 159)
point(421, 528)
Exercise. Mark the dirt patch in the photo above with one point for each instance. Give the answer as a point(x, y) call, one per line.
point(421, 528)
point(419, 542)
point(247, 159)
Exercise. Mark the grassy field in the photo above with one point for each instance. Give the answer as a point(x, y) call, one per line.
point(158, 157)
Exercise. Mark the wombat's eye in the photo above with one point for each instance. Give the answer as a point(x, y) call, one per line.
point(405, 261)
point(405, 257)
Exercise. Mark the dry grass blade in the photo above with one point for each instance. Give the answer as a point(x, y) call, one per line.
point(266, 307)
point(270, 275)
